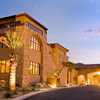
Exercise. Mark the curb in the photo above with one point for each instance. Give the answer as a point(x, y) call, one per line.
point(37, 92)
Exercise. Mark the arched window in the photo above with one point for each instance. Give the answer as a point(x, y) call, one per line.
point(35, 44)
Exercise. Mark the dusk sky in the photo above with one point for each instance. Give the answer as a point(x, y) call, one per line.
point(73, 23)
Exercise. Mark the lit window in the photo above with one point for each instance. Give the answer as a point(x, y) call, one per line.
point(35, 44)
point(4, 67)
point(32, 43)
point(34, 68)
point(37, 69)
point(7, 66)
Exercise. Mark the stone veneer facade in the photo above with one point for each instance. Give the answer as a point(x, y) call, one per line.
point(50, 56)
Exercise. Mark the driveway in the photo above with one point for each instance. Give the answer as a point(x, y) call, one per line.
point(76, 93)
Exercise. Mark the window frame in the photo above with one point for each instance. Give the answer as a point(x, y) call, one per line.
point(34, 68)
point(35, 44)
point(3, 67)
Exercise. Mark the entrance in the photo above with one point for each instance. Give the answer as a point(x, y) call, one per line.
point(81, 80)
point(94, 78)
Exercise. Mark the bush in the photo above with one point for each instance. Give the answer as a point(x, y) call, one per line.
point(35, 87)
point(8, 94)
point(2, 88)
point(25, 90)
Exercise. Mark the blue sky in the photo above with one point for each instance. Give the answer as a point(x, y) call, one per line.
point(73, 23)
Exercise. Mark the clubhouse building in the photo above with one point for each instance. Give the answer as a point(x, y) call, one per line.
point(25, 55)
point(27, 58)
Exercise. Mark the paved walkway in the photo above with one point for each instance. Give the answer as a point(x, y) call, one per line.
point(76, 93)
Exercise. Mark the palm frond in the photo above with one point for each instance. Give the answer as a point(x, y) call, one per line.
point(15, 39)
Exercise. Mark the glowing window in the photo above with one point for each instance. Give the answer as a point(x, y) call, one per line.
point(34, 44)
point(4, 66)
point(34, 68)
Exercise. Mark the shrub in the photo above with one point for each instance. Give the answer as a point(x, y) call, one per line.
point(8, 94)
point(35, 87)
point(25, 90)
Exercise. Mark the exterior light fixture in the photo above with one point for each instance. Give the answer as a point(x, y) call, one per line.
point(98, 73)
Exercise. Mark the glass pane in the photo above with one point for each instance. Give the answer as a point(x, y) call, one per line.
point(7, 66)
point(32, 39)
point(30, 68)
point(36, 70)
point(2, 68)
point(31, 44)
point(33, 68)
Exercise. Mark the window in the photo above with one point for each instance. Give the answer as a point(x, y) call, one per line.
point(11, 24)
point(35, 68)
point(35, 44)
point(33, 28)
point(4, 66)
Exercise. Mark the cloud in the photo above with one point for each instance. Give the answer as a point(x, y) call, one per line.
point(92, 32)
point(90, 35)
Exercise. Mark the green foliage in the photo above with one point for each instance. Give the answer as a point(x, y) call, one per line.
point(9, 94)
point(70, 65)
point(35, 87)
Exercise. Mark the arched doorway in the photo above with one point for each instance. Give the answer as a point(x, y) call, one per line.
point(81, 80)
point(94, 78)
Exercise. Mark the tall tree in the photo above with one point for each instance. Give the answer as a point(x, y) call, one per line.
point(15, 42)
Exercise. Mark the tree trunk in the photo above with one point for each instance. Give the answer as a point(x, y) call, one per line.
point(12, 72)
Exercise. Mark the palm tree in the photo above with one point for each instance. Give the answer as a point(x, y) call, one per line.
point(15, 42)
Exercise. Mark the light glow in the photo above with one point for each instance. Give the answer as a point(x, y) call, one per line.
point(52, 85)
point(98, 73)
